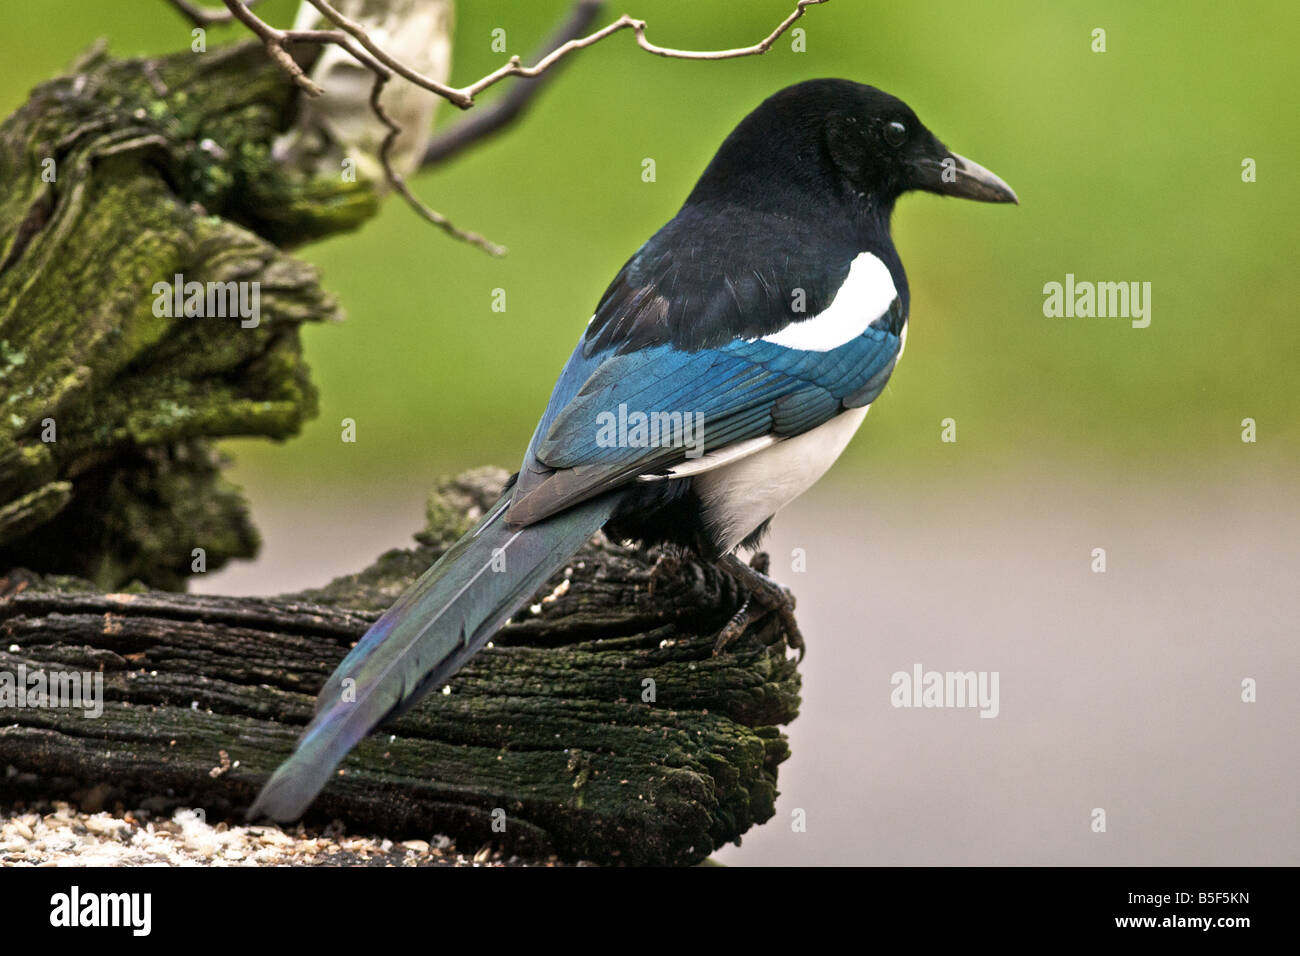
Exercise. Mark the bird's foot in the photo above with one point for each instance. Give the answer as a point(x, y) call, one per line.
point(764, 596)
point(666, 566)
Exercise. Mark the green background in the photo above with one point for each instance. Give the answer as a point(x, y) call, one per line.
point(1128, 165)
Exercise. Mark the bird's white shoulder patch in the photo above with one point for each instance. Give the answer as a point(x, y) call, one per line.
point(865, 296)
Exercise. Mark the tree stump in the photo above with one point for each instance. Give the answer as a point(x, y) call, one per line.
point(599, 726)
point(120, 176)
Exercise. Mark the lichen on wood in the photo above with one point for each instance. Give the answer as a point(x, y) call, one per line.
point(599, 726)
point(117, 177)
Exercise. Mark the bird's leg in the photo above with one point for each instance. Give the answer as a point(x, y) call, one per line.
point(666, 566)
point(763, 595)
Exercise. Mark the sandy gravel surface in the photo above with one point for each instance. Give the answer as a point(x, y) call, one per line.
point(58, 834)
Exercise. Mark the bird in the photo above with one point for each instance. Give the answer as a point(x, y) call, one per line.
point(754, 329)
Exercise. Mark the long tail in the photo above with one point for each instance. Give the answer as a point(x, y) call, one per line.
point(438, 624)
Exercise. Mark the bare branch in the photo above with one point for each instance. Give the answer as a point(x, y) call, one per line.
point(491, 119)
point(399, 182)
point(203, 17)
point(354, 38)
point(358, 32)
point(625, 22)
point(275, 41)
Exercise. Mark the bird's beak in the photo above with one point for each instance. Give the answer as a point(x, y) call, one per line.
point(956, 175)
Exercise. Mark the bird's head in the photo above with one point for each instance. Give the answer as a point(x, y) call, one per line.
point(836, 142)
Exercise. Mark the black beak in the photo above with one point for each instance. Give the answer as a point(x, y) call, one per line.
point(958, 176)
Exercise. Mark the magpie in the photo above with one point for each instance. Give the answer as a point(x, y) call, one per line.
point(724, 370)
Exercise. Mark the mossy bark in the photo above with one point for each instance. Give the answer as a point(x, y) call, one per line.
point(599, 725)
point(119, 176)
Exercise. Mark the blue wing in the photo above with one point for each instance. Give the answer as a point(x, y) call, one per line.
point(742, 390)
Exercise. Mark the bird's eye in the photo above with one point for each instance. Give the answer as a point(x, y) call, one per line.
point(895, 133)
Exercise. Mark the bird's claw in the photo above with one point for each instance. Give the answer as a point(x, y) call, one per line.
point(666, 566)
point(735, 626)
point(764, 595)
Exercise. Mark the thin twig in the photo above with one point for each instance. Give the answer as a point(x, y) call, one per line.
point(203, 17)
point(377, 55)
point(625, 22)
point(353, 38)
point(275, 41)
point(352, 35)
point(491, 119)
point(398, 182)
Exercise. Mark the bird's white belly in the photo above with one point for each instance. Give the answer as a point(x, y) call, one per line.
point(740, 496)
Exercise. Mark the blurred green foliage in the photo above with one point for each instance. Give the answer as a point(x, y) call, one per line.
point(1128, 165)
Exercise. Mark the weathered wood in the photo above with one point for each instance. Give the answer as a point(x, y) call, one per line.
point(123, 174)
point(550, 728)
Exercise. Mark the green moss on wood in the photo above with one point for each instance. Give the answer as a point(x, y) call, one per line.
point(551, 725)
point(121, 175)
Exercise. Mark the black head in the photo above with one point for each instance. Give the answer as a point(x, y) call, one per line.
point(840, 143)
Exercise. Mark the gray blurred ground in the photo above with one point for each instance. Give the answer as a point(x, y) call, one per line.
point(1119, 690)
